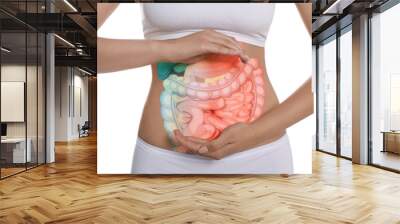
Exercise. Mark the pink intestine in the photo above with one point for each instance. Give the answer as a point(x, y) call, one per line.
point(208, 108)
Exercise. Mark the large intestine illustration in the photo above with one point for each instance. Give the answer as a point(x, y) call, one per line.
point(204, 98)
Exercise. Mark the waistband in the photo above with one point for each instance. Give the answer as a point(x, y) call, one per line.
point(275, 145)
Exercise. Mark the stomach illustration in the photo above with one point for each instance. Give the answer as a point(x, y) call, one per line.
point(204, 98)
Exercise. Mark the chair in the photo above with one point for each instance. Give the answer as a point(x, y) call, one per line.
point(84, 130)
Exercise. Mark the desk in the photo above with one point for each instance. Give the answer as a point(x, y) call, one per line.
point(391, 141)
point(13, 150)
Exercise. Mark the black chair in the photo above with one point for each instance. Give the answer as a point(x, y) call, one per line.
point(84, 130)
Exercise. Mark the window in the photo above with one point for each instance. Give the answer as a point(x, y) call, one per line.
point(346, 93)
point(385, 89)
point(327, 96)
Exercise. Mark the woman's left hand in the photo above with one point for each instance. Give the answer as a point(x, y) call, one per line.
point(235, 138)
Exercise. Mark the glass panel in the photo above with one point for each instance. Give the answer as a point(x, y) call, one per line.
point(385, 84)
point(22, 88)
point(31, 100)
point(327, 96)
point(31, 88)
point(346, 94)
point(41, 98)
point(13, 90)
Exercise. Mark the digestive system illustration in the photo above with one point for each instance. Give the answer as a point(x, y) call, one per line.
point(204, 98)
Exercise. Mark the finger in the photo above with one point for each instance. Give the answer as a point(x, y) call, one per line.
point(218, 143)
point(226, 44)
point(230, 42)
point(231, 51)
point(203, 148)
point(182, 149)
point(219, 49)
point(197, 140)
point(195, 59)
point(190, 143)
point(222, 152)
point(173, 138)
point(244, 57)
point(225, 40)
point(192, 146)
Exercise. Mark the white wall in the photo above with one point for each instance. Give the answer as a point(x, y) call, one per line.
point(17, 73)
point(80, 84)
point(61, 103)
point(68, 83)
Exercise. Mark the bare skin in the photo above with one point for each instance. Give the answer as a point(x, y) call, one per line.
point(103, 11)
point(270, 126)
point(152, 51)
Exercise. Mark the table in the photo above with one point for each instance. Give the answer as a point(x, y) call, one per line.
point(391, 141)
point(13, 150)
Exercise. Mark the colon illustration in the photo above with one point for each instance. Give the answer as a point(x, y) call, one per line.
point(204, 98)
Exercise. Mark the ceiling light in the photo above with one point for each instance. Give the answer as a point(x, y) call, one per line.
point(5, 50)
point(331, 7)
point(70, 5)
point(64, 40)
point(338, 6)
point(84, 71)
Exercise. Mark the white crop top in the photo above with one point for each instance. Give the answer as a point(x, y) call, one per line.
point(247, 22)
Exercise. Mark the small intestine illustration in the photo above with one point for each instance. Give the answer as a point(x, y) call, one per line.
point(204, 98)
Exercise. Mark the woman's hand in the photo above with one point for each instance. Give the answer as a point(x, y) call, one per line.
point(115, 54)
point(194, 47)
point(267, 128)
point(233, 139)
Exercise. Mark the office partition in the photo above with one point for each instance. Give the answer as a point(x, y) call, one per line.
point(23, 88)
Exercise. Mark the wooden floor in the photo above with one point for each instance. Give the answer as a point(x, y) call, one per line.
point(5, 172)
point(70, 191)
point(387, 159)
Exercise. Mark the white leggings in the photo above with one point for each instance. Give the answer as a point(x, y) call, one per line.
point(273, 158)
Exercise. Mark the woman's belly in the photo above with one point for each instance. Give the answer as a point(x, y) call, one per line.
point(204, 98)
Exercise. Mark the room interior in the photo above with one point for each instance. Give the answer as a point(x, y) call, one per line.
point(30, 92)
point(49, 100)
point(334, 70)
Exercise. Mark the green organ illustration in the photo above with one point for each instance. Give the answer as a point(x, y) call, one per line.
point(165, 69)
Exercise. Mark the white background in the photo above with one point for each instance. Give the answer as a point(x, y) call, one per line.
point(121, 95)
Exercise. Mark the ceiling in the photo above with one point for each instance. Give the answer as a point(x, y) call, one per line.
point(72, 20)
point(332, 15)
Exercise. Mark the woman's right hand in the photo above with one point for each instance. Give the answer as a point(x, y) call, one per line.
point(117, 54)
point(194, 47)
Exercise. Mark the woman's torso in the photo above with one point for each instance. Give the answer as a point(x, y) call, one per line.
point(158, 25)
